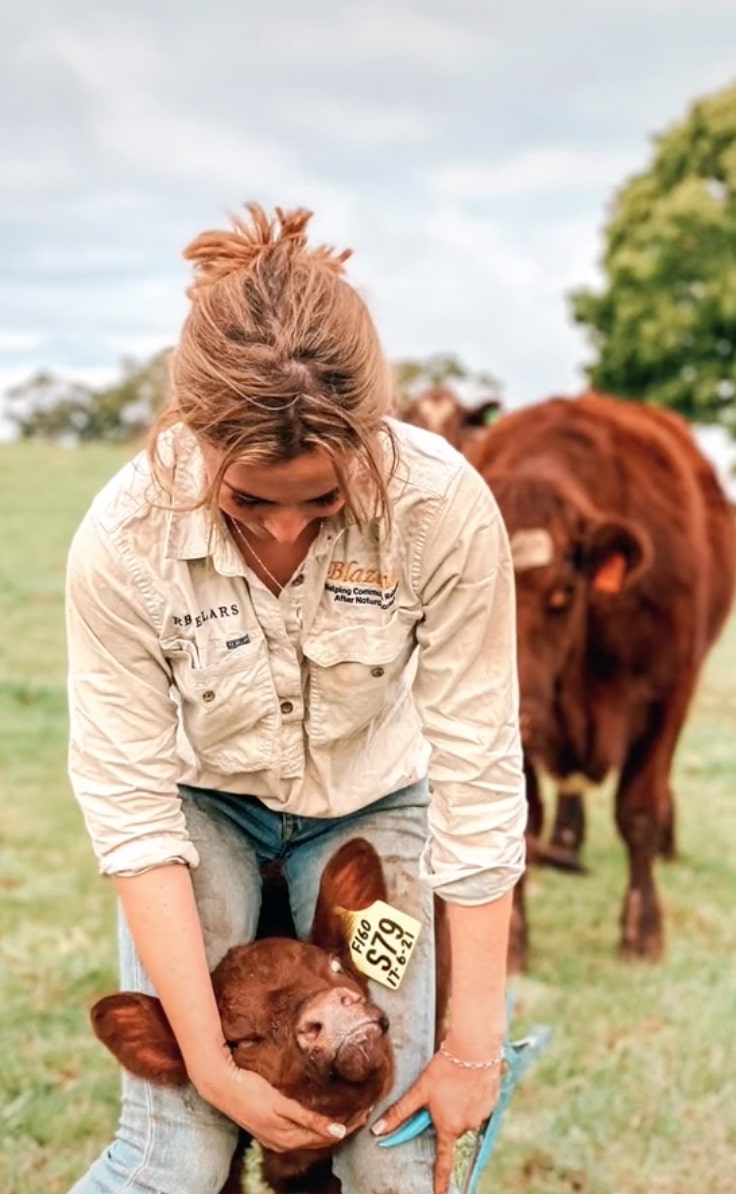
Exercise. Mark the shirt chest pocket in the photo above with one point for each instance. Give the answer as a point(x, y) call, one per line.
point(227, 702)
point(357, 676)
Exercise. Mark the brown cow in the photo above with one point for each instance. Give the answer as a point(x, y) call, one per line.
point(440, 410)
point(625, 556)
point(298, 1014)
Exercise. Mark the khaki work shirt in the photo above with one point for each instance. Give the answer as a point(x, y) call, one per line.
point(389, 655)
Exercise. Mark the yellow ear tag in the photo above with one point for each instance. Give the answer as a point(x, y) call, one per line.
point(381, 941)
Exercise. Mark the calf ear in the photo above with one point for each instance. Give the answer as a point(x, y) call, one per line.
point(616, 553)
point(352, 879)
point(135, 1030)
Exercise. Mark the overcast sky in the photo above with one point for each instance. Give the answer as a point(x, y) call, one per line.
point(465, 149)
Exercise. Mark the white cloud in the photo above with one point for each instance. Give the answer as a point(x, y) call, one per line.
point(365, 123)
point(535, 172)
point(19, 341)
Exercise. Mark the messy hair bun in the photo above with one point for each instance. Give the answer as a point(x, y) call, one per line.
point(216, 254)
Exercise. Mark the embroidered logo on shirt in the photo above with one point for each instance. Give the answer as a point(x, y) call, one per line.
point(206, 615)
point(351, 584)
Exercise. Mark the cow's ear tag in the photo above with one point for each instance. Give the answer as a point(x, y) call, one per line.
point(381, 941)
point(611, 575)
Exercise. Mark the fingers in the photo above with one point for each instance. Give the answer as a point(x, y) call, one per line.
point(410, 1102)
point(359, 1121)
point(324, 1129)
point(444, 1164)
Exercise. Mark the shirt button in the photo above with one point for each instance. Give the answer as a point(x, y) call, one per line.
point(298, 580)
point(376, 671)
point(287, 707)
point(208, 695)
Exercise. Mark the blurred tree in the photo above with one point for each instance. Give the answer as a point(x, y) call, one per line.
point(413, 377)
point(664, 327)
point(49, 407)
point(127, 407)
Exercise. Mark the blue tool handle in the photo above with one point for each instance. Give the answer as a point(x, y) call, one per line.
point(413, 1126)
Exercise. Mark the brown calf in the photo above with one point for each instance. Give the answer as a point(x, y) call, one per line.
point(299, 1014)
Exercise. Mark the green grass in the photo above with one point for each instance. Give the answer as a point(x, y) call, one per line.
point(637, 1091)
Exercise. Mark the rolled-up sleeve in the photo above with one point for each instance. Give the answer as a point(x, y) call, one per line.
point(467, 697)
point(123, 761)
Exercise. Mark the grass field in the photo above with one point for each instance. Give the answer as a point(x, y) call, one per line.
point(638, 1090)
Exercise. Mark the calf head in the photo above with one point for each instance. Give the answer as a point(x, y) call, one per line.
point(296, 1013)
point(567, 557)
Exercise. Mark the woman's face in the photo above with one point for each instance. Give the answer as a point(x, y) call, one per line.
point(277, 502)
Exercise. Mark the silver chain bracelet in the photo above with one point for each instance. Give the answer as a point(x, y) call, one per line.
point(471, 1065)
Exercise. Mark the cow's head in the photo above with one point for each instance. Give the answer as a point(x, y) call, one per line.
point(569, 559)
point(296, 1013)
point(440, 410)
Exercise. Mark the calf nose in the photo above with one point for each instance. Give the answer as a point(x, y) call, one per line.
point(328, 1015)
point(342, 1032)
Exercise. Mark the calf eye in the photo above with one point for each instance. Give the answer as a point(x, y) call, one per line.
point(246, 1041)
point(336, 966)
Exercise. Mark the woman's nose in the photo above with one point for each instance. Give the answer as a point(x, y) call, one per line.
point(285, 525)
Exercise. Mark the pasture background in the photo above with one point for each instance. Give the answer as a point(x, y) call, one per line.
point(636, 1094)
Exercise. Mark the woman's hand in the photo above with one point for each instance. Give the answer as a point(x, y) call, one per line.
point(275, 1121)
point(459, 1100)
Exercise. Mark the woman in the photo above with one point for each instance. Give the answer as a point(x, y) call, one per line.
point(291, 624)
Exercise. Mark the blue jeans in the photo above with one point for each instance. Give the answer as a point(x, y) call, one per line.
point(171, 1141)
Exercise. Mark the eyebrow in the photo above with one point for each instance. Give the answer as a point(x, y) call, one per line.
point(253, 497)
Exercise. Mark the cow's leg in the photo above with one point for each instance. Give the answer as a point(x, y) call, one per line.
point(644, 808)
point(535, 820)
point(568, 831)
point(667, 844)
point(676, 713)
point(645, 815)
point(641, 917)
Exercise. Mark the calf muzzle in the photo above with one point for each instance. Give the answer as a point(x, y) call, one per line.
point(341, 1030)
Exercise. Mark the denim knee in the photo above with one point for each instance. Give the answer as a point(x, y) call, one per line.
point(168, 1142)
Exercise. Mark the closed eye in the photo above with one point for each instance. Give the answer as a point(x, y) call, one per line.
point(326, 499)
point(245, 502)
point(247, 1041)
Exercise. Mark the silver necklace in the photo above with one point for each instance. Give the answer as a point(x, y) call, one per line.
point(247, 543)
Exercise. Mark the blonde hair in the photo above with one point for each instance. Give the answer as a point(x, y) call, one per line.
point(279, 356)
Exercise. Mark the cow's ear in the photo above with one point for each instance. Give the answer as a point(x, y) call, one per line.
point(483, 414)
point(353, 879)
point(135, 1030)
point(616, 553)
